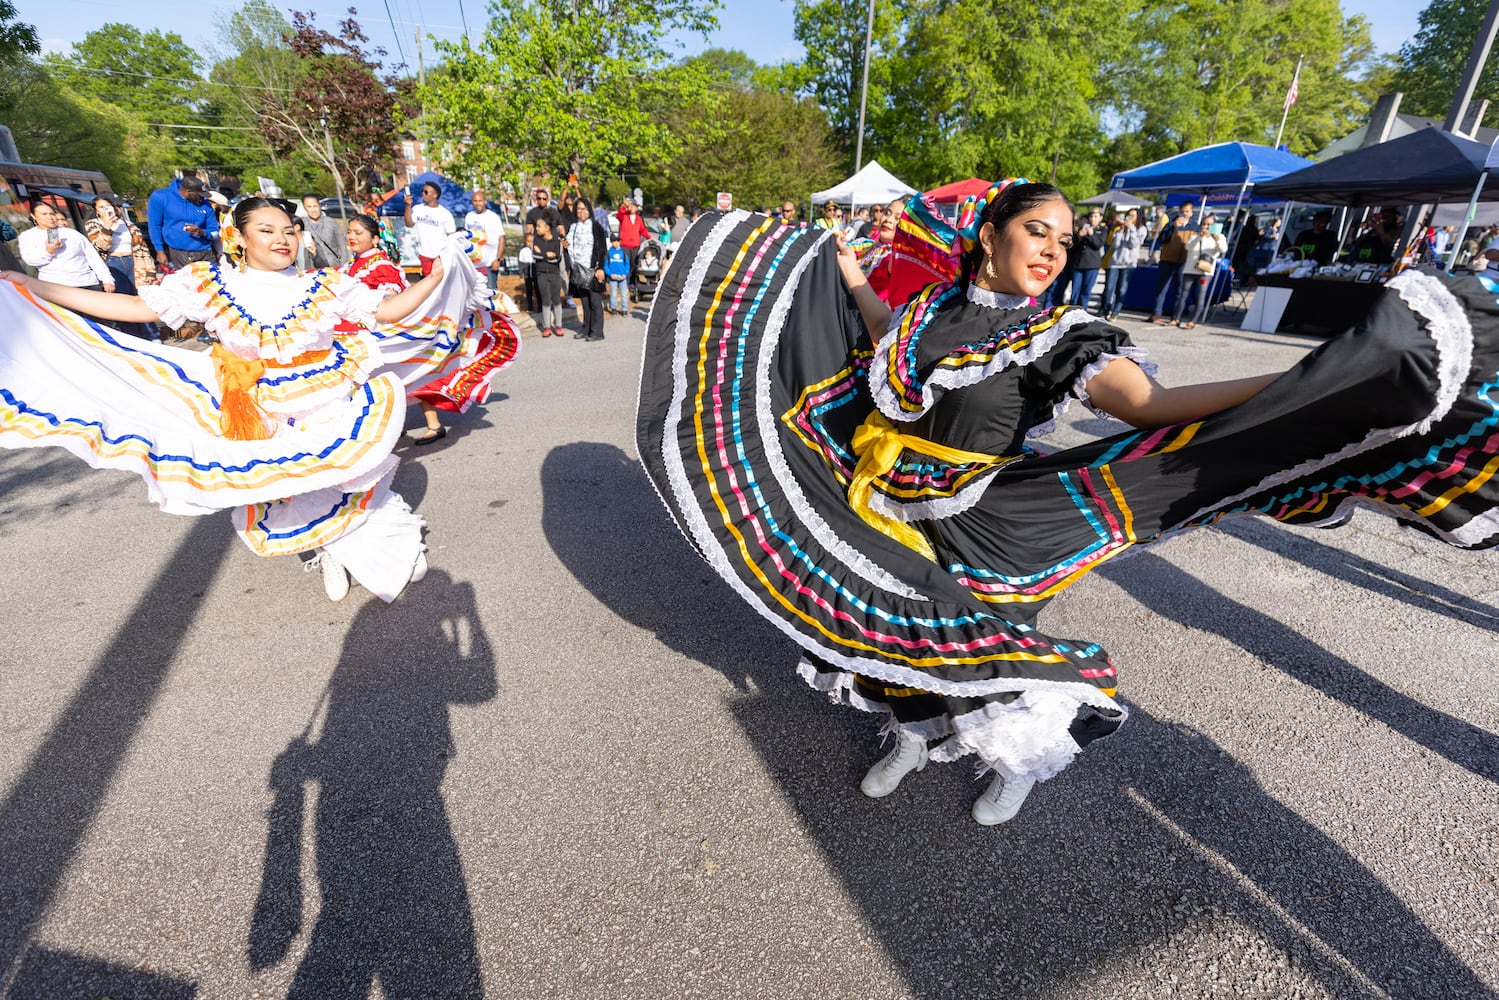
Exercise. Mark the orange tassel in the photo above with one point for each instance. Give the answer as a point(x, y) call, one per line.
point(240, 417)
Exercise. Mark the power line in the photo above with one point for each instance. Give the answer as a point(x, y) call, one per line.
point(170, 79)
point(215, 128)
point(396, 34)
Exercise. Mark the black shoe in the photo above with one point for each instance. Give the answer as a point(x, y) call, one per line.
point(429, 435)
point(599, 337)
point(580, 335)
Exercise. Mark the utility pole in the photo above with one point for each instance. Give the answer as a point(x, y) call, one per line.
point(864, 90)
point(421, 74)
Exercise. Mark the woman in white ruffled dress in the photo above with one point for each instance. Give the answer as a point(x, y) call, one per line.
point(285, 419)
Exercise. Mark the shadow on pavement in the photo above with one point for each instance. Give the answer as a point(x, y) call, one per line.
point(1174, 594)
point(53, 803)
point(1387, 581)
point(1156, 835)
point(606, 525)
point(394, 903)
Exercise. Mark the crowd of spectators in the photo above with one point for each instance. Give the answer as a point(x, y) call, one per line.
point(632, 246)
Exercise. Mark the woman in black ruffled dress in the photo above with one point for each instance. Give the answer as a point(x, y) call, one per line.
point(875, 499)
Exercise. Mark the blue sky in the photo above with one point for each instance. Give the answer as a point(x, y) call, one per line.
point(762, 28)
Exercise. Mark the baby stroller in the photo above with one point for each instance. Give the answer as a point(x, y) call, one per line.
point(648, 263)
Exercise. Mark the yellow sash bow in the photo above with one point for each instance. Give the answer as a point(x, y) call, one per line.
point(878, 443)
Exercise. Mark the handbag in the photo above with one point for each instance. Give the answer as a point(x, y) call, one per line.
point(581, 274)
point(1205, 263)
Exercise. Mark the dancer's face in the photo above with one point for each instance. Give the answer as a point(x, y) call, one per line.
point(1030, 252)
point(360, 240)
point(270, 240)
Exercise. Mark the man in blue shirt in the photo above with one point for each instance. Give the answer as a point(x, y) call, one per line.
point(183, 227)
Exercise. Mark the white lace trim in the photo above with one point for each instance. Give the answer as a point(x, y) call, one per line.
point(934, 510)
point(1128, 352)
point(1452, 334)
point(996, 300)
point(1029, 738)
point(889, 404)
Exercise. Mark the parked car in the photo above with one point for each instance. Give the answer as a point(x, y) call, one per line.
point(339, 208)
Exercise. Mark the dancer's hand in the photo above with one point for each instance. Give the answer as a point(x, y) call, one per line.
point(848, 264)
point(16, 278)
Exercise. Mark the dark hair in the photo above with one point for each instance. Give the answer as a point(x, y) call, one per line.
point(249, 206)
point(314, 197)
point(434, 186)
point(1011, 202)
point(384, 241)
point(580, 200)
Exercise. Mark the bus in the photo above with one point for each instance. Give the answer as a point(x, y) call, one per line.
point(70, 191)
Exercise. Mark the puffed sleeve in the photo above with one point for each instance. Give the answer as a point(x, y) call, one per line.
point(181, 296)
point(353, 300)
point(1086, 347)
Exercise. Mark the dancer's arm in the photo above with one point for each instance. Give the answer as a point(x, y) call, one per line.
point(876, 314)
point(104, 305)
point(403, 304)
point(1124, 391)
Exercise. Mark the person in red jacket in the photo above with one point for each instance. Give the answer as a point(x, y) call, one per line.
point(632, 233)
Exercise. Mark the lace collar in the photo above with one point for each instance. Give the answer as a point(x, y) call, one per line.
point(996, 300)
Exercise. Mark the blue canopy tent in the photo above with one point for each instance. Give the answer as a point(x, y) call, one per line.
point(1227, 166)
point(453, 198)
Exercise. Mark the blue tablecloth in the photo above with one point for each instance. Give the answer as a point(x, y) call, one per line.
point(1142, 290)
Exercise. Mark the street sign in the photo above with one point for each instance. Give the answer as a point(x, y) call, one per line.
point(725, 201)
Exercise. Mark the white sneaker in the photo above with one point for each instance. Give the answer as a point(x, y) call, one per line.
point(909, 755)
point(1001, 801)
point(335, 577)
point(420, 570)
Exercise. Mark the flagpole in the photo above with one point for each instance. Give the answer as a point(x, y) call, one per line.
point(1295, 79)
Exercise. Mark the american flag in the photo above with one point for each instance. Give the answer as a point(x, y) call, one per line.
point(1291, 94)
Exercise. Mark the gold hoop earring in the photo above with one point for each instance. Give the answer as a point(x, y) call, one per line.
point(989, 266)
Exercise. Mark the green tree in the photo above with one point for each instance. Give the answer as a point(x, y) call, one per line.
point(560, 84)
point(315, 96)
point(770, 144)
point(152, 76)
point(832, 32)
point(54, 124)
point(1208, 71)
point(1431, 64)
point(989, 89)
point(18, 40)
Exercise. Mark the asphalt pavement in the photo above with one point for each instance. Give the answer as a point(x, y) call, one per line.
point(571, 764)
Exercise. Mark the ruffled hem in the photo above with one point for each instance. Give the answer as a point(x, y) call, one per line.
point(1028, 738)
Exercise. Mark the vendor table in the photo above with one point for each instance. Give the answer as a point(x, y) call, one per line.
point(1309, 305)
point(1141, 293)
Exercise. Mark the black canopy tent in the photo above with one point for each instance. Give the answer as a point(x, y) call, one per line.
point(1423, 167)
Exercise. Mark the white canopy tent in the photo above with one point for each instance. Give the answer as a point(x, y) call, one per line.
point(1118, 199)
point(871, 186)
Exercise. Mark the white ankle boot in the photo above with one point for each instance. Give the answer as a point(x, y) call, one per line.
point(1001, 801)
point(909, 755)
point(335, 577)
